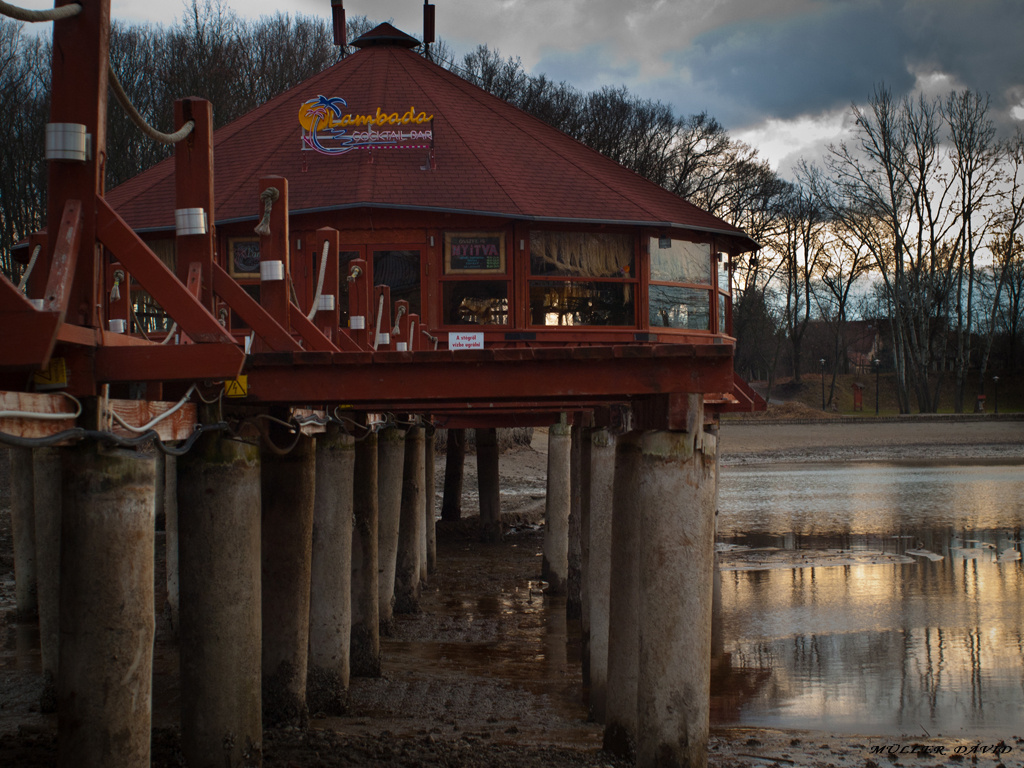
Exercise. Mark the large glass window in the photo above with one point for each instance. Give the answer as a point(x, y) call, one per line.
point(680, 288)
point(400, 271)
point(724, 293)
point(475, 302)
point(582, 278)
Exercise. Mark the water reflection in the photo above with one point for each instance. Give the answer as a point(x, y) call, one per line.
point(871, 598)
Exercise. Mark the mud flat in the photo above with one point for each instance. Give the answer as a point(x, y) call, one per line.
point(488, 672)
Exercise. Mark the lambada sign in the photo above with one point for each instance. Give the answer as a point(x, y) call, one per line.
point(327, 128)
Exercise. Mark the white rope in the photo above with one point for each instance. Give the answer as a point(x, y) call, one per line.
point(170, 333)
point(432, 338)
point(140, 121)
point(156, 420)
point(28, 269)
point(398, 317)
point(45, 416)
point(268, 196)
point(320, 282)
point(51, 14)
point(376, 330)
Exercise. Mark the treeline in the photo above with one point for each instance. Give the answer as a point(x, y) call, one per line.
point(915, 223)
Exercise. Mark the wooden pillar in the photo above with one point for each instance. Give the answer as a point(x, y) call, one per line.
point(287, 486)
point(429, 493)
point(390, 464)
point(365, 648)
point(23, 523)
point(107, 623)
point(46, 474)
point(330, 611)
point(602, 483)
point(674, 611)
point(411, 537)
point(454, 466)
point(558, 500)
point(221, 607)
point(489, 484)
point(623, 639)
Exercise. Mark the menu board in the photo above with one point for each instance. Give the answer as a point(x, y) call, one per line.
point(471, 253)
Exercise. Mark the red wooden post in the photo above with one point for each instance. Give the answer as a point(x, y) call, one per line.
point(193, 172)
point(274, 261)
point(327, 320)
point(358, 301)
point(81, 52)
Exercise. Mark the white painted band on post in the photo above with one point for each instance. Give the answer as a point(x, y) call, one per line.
point(190, 221)
point(401, 346)
point(38, 303)
point(271, 271)
point(66, 141)
point(383, 338)
point(326, 303)
point(117, 326)
point(357, 322)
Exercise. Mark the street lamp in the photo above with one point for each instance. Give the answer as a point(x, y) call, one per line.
point(823, 383)
point(995, 394)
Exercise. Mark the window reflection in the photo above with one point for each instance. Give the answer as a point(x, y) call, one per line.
point(571, 303)
point(680, 262)
point(476, 302)
point(673, 306)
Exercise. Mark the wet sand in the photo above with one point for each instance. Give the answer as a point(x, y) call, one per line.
point(488, 672)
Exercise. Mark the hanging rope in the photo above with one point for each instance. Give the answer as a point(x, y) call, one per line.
point(28, 269)
point(140, 121)
point(269, 197)
point(51, 14)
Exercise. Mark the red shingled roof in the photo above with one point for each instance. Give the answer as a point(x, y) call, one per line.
point(489, 158)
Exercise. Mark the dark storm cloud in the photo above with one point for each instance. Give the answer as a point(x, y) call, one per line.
point(820, 56)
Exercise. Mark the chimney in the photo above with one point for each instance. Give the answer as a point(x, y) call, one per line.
point(428, 22)
point(340, 33)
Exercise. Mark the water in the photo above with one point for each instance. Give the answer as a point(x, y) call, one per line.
point(871, 599)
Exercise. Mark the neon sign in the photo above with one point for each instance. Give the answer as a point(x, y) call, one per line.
point(327, 128)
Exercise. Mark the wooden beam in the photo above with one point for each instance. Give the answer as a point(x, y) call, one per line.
point(274, 336)
point(30, 335)
point(162, 284)
point(31, 427)
point(172, 362)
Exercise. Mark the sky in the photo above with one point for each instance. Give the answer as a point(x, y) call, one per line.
point(780, 75)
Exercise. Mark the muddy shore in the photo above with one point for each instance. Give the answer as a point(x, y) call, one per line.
point(488, 673)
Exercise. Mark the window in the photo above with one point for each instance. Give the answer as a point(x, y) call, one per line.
point(680, 289)
point(724, 293)
point(475, 286)
point(400, 271)
point(582, 278)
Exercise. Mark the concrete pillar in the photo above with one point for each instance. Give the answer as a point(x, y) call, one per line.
point(574, 582)
point(170, 506)
point(330, 609)
point(390, 462)
point(46, 474)
point(23, 522)
point(106, 608)
point(220, 632)
point(602, 483)
point(429, 494)
point(623, 638)
point(555, 565)
point(676, 563)
point(287, 485)
point(411, 537)
point(584, 480)
point(489, 485)
point(365, 648)
point(422, 507)
point(454, 466)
